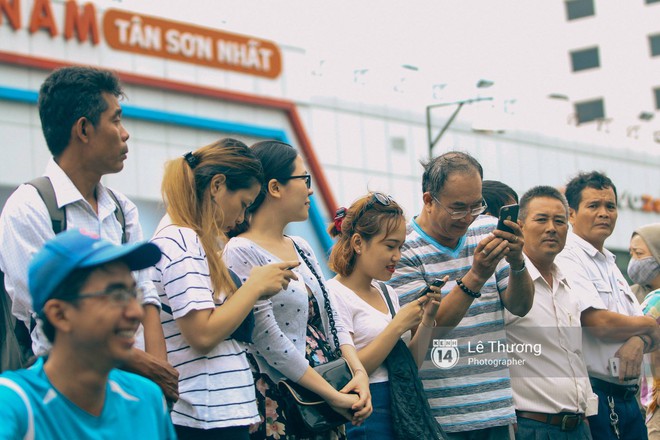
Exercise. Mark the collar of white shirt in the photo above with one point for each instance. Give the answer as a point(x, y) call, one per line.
point(557, 274)
point(67, 193)
point(587, 247)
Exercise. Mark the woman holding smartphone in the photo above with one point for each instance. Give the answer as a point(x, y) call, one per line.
point(207, 192)
point(370, 235)
point(292, 332)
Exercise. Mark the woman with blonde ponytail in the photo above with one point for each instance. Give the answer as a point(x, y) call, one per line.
point(205, 309)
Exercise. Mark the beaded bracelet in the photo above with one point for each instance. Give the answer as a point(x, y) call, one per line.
point(435, 324)
point(521, 270)
point(467, 290)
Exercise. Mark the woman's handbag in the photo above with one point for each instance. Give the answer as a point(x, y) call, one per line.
point(303, 407)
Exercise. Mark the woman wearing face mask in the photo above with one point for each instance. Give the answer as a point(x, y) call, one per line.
point(644, 271)
point(292, 332)
point(204, 309)
point(370, 235)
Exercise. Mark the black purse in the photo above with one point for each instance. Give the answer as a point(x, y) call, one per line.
point(410, 411)
point(304, 408)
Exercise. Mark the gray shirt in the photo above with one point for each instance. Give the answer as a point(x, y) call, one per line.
point(281, 321)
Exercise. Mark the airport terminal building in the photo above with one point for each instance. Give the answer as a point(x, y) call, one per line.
point(188, 85)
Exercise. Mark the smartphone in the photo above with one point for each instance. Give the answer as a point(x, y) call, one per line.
point(614, 367)
point(508, 212)
point(436, 283)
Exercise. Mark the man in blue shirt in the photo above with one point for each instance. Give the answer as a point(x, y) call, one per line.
point(89, 308)
point(471, 399)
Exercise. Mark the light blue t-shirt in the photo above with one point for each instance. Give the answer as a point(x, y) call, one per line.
point(30, 407)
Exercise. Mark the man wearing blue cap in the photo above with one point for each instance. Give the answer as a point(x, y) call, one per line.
point(89, 306)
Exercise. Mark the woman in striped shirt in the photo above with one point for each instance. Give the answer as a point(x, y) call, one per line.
point(207, 192)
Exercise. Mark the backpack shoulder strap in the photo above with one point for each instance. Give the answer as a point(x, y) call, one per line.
point(119, 213)
point(57, 215)
point(45, 189)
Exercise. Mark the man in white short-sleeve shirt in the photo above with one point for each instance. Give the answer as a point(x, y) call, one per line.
point(81, 119)
point(551, 389)
point(617, 333)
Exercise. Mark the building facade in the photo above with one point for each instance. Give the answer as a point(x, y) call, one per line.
point(188, 85)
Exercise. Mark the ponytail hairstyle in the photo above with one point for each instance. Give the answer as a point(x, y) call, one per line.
point(186, 191)
point(368, 216)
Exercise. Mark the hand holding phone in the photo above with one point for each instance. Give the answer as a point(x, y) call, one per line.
point(435, 283)
point(507, 212)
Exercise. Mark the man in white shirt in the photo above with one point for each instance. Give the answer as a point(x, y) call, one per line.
point(81, 121)
point(617, 332)
point(551, 389)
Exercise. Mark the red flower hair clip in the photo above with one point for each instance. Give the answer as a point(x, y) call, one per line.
point(340, 214)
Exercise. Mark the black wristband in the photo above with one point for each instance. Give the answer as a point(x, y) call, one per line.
point(646, 344)
point(467, 290)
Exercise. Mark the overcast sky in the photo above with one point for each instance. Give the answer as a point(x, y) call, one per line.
point(520, 45)
point(454, 41)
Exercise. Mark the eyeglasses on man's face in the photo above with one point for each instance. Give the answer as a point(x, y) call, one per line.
point(457, 215)
point(119, 295)
point(307, 177)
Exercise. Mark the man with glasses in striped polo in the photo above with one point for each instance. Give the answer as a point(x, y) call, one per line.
point(470, 396)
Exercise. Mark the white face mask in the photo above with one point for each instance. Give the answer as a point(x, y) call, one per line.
point(644, 270)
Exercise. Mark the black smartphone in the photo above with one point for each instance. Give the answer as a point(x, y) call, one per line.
point(436, 283)
point(507, 212)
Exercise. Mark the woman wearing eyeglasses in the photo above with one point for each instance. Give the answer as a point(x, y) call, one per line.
point(205, 311)
point(292, 332)
point(370, 236)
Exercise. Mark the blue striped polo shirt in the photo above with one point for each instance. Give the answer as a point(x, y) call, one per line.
point(476, 392)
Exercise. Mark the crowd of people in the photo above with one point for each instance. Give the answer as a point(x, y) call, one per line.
point(454, 325)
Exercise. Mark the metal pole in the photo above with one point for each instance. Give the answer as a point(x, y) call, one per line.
point(431, 140)
point(428, 130)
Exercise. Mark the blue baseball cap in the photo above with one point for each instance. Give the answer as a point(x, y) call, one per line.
point(76, 249)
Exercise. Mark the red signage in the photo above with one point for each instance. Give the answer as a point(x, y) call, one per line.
point(146, 35)
point(192, 44)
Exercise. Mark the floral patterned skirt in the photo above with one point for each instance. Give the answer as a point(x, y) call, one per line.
point(274, 424)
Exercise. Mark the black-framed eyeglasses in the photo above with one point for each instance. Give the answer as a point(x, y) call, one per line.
point(307, 177)
point(457, 215)
point(376, 197)
point(119, 295)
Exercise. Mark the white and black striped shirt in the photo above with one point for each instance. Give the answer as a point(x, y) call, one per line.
point(217, 389)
